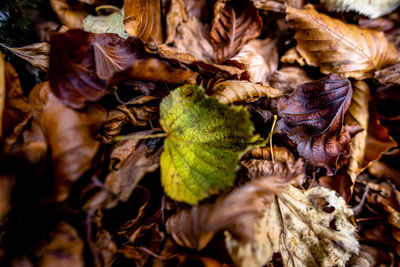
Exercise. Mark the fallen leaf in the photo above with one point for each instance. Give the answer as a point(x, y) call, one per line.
point(36, 54)
point(176, 15)
point(370, 255)
point(358, 114)
point(64, 248)
point(372, 8)
point(389, 75)
point(381, 170)
point(228, 92)
point(205, 140)
point(138, 112)
point(195, 227)
point(143, 159)
point(112, 23)
point(143, 20)
point(232, 28)
point(292, 56)
point(70, 17)
point(69, 135)
point(287, 79)
point(259, 58)
point(335, 46)
point(313, 118)
point(380, 24)
point(17, 111)
point(308, 228)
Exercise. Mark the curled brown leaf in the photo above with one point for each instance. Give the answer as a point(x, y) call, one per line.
point(313, 118)
point(233, 26)
point(70, 16)
point(335, 46)
point(287, 79)
point(389, 75)
point(36, 54)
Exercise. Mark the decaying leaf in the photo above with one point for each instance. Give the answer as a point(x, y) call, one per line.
point(70, 17)
point(82, 62)
point(36, 54)
point(228, 92)
point(259, 58)
point(358, 115)
point(371, 8)
point(205, 140)
point(313, 118)
point(335, 46)
point(389, 75)
point(112, 23)
point(308, 228)
point(233, 26)
point(16, 111)
point(69, 134)
point(195, 227)
point(142, 159)
point(288, 78)
point(143, 20)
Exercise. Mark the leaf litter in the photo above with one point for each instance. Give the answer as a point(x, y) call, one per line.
point(211, 133)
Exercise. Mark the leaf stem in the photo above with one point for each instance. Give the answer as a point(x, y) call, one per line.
point(270, 137)
point(139, 137)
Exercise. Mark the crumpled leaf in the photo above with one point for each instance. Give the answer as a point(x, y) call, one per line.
point(176, 14)
point(313, 118)
point(389, 75)
point(205, 140)
point(308, 228)
point(15, 110)
point(81, 62)
point(259, 58)
point(228, 92)
point(112, 23)
point(142, 158)
point(232, 27)
point(143, 19)
point(65, 248)
point(287, 79)
point(195, 227)
point(335, 46)
point(36, 54)
point(70, 16)
point(358, 115)
point(69, 134)
point(138, 112)
point(371, 8)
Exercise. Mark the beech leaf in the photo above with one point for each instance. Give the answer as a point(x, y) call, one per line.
point(232, 28)
point(228, 92)
point(143, 20)
point(313, 118)
point(335, 46)
point(389, 75)
point(205, 140)
point(370, 8)
point(36, 54)
point(308, 228)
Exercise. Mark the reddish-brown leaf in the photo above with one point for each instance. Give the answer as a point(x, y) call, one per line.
point(233, 27)
point(313, 118)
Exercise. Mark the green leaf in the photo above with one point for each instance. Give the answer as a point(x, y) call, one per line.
point(205, 140)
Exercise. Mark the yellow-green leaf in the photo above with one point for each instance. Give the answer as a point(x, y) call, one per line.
point(205, 140)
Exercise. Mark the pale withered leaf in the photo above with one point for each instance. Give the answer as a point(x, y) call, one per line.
point(308, 228)
point(335, 46)
point(36, 54)
point(112, 23)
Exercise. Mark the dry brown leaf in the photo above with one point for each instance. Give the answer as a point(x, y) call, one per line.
point(381, 170)
point(292, 56)
point(176, 14)
point(277, 5)
point(232, 27)
point(358, 114)
point(16, 111)
point(143, 159)
point(143, 20)
point(195, 227)
point(36, 54)
point(389, 75)
point(372, 256)
point(308, 228)
point(228, 92)
point(69, 16)
point(335, 46)
point(259, 58)
point(69, 134)
point(287, 79)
